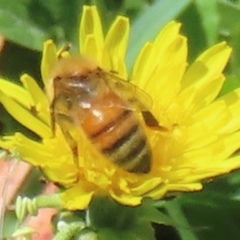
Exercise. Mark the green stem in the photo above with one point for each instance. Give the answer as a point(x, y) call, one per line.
point(49, 201)
point(176, 213)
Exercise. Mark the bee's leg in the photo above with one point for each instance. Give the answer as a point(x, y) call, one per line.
point(66, 124)
point(73, 145)
point(71, 142)
point(151, 121)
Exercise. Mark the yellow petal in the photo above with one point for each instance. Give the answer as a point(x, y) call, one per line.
point(76, 198)
point(204, 94)
point(216, 57)
point(157, 61)
point(116, 44)
point(208, 65)
point(215, 169)
point(49, 60)
point(230, 164)
point(32, 87)
point(230, 145)
point(90, 25)
point(63, 176)
point(164, 84)
point(25, 116)
point(16, 92)
point(91, 49)
point(38, 96)
point(157, 193)
point(197, 139)
point(213, 153)
point(190, 187)
point(214, 117)
point(147, 185)
point(142, 65)
point(125, 199)
point(232, 101)
point(166, 36)
point(29, 150)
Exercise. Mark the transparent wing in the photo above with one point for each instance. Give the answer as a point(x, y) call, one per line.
point(137, 98)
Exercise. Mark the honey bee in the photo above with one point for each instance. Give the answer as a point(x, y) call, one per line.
point(105, 107)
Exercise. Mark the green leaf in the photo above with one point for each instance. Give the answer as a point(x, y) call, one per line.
point(229, 17)
point(232, 82)
point(192, 28)
point(104, 212)
point(141, 231)
point(106, 233)
point(16, 25)
point(29, 23)
point(214, 212)
point(210, 18)
point(229, 30)
point(148, 25)
point(175, 211)
point(114, 221)
point(150, 213)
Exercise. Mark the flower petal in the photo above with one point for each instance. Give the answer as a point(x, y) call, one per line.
point(16, 92)
point(116, 45)
point(91, 26)
point(38, 96)
point(214, 169)
point(166, 36)
point(31, 151)
point(63, 176)
point(90, 48)
point(76, 198)
point(126, 199)
point(25, 116)
point(158, 192)
point(213, 153)
point(49, 60)
point(232, 101)
point(165, 66)
point(190, 187)
point(142, 65)
point(207, 116)
point(204, 94)
point(209, 65)
point(147, 186)
point(32, 87)
point(152, 54)
point(168, 74)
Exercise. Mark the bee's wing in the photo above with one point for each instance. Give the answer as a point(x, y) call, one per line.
point(136, 97)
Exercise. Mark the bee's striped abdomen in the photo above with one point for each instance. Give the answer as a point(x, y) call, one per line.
point(119, 136)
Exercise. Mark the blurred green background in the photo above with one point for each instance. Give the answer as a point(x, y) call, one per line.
point(213, 213)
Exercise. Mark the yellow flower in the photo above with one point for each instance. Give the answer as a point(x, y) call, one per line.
point(202, 130)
